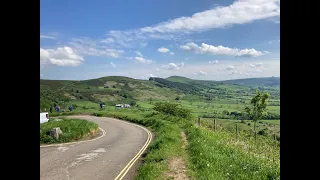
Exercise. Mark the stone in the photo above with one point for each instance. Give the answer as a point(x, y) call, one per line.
point(55, 132)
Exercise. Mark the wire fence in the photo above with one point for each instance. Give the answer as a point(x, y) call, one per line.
point(265, 147)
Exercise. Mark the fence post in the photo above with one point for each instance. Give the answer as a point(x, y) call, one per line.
point(275, 143)
point(199, 121)
point(214, 124)
point(237, 129)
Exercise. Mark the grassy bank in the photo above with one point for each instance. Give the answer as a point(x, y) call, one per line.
point(73, 129)
point(219, 155)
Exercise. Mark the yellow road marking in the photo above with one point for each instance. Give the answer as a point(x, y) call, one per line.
point(136, 157)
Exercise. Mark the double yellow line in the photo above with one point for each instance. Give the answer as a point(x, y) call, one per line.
point(125, 170)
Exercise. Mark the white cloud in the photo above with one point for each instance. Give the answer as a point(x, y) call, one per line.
point(200, 73)
point(255, 65)
point(214, 62)
point(46, 37)
point(171, 53)
point(41, 75)
point(230, 68)
point(108, 40)
point(143, 44)
point(139, 53)
point(240, 12)
point(88, 47)
point(220, 50)
point(266, 52)
point(142, 60)
point(173, 66)
point(62, 56)
point(146, 77)
point(157, 70)
point(113, 65)
point(273, 41)
point(163, 50)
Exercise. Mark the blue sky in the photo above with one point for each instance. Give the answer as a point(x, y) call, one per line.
point(205, 39)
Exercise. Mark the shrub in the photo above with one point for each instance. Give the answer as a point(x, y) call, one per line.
point(226, 112)
point(132, 103)
point(98, 114)
point(263, 132)
point(172, 109)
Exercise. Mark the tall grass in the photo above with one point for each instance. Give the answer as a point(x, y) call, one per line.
point(218, 155)
point(73, 129)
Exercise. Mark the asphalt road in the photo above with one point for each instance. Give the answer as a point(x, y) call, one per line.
point(103, 158)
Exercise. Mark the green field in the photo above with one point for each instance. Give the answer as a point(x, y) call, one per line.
point(222, 154)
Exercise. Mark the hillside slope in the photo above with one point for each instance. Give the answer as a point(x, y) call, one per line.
point(117, 89)
point(112, 89)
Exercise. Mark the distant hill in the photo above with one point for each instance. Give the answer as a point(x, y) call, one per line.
point(116, 89)
point(105, 89)
point(264, 81)
point(267, 81)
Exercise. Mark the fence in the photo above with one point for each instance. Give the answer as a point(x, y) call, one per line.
point(267, 147)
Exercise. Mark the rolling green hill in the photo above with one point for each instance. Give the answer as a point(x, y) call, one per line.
point(112, 89)
point(116, 89)
point(268, 81)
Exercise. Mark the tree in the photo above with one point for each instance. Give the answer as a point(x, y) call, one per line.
point(132, 103)
point(258, 108)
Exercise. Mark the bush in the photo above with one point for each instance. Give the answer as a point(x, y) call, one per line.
point(226, 112)
point(242, 121)
point(132, 103)
point(172, 109)
point(263, 132)
point(98, 114)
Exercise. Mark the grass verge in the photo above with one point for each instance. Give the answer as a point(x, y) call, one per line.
point(73, 130)
point(217, 155)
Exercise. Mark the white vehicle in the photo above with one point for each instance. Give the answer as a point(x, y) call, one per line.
point(44, 117)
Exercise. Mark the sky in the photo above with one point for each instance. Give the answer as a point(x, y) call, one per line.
point(203, 39)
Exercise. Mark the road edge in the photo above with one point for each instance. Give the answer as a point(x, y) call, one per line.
point(76, 142)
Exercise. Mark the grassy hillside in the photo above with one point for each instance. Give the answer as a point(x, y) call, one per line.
point(110, 90)
point(268, 81)
point(116, 89)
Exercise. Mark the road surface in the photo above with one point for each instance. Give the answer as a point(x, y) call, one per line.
point(104, 158)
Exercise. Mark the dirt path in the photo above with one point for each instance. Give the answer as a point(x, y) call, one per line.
point(177, 167)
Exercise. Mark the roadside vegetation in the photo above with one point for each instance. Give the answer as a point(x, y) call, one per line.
point(73, 130)
point(173, 105)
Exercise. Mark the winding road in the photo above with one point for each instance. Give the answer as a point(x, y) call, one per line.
point(113, 155)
